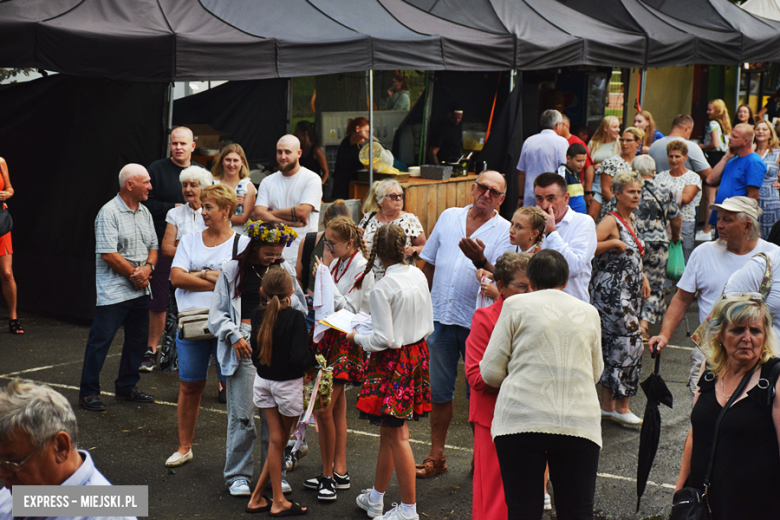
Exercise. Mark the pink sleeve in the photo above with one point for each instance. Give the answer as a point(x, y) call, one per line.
point(476, 343)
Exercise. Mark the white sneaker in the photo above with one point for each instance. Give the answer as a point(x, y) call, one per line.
point(371, 508)
point(286, 488)
point(606, 415)
point(396, 514)
point(701, 236)
point(627, 419)
point(547, 502)
point(177, 459)
point(240, 488)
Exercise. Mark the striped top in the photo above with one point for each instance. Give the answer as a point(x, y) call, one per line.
point(118, 229)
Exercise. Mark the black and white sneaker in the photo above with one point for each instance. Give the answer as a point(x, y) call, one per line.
point(312, 483)
point(327, 489)
point(342, 481)
point(149, 362)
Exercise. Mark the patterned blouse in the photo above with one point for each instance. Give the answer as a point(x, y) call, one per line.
point(407, 221)
point(674, 184)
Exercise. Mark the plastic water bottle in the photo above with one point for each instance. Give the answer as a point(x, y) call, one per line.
point(241, 190)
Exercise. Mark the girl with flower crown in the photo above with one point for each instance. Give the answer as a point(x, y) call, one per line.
point(344, 241)
point(236, 296)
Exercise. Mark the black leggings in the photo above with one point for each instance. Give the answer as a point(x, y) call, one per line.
point(573, 464)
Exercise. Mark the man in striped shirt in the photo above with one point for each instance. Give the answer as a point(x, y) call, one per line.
point(125, 255)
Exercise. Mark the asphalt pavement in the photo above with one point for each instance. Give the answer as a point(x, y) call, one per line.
point(130, 442)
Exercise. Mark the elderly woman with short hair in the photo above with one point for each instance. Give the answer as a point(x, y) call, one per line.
point(617, 287)
point(740, 345)
point(385, 205)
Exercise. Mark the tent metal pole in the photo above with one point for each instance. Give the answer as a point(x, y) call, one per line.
point(170, 120)
point(370, 81)
point(642, 88)
point(512, 75)
point(289, 106)
point(736, 89)
point(427, 116)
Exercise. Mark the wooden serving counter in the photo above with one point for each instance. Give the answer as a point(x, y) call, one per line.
point(426, 198)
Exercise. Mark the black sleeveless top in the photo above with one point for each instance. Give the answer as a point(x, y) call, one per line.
point(250, 293)
point(310, 162)
point(746, 474)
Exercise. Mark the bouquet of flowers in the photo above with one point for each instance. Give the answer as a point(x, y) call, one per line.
point(321, 391)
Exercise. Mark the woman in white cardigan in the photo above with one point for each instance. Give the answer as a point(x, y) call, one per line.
point(544, 356)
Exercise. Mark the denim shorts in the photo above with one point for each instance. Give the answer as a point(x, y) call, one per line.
point(194, 357)
point(446, 345)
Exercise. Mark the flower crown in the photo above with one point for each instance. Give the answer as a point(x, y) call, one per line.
point(269, 232)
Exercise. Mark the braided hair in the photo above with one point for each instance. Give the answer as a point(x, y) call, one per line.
point(389, 244)
point(346, 229)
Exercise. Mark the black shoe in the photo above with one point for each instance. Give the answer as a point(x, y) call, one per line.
point(327, 489)
point(222, 396)
point(136, 396)
point(312, 483)
point(92, 403)
point(149, 362)
point(342, 481)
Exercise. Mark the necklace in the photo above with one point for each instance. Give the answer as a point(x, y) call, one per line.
point(214, 242)
point(723, 390)
point(335, 272)
point(258, 274)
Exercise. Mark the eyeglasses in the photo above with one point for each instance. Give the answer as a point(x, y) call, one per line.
point(627, 140)
point(330, 245)
point(523, 287)
point(493, 192)
point(14, 467)
point(395, 196)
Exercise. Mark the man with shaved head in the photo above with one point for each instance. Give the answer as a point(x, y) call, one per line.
point(164, 196)
point(740, 172)
point(292, 195)
point(125, 256)
point(463, 240)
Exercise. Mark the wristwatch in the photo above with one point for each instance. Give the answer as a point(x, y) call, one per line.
point(481, 263)
point(588, 193)
point(150, 265)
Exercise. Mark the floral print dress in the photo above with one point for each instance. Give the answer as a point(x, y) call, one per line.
point(768, 197)
point(616, 291)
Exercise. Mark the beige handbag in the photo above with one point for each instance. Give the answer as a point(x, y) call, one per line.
point(194, 325)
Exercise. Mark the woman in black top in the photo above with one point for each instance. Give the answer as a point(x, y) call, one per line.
point(347, 160)
point(236, 296)
point(312, 156)
point(746, 466)
point(281, 353)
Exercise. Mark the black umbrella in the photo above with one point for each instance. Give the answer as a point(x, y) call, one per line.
point(657, 393)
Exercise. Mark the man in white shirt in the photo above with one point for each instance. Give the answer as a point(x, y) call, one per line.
point(750, 277)
point(543, 152)
point(292, 195)
point(463, 240)
point(570, 233)
point(710, 266)
point(38, 434)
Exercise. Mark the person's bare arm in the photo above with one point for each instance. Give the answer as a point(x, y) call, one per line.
point(679, 305)
point(8, 190)
point(761, 113)
point(676, 225)
point(753, 191)
point(299, 267)
point(299, 213)
point(248, 202)
point(717, 171)
point(713, 140)
point(118, 263)
point(168, 245)
point(434, 154)
point(428, 270)
point(418, 243)
point(606, 187)
point(608, 236)
point(264, 214)
point(689, 192)
point(195, 282)
point(475, 251)
point(319, 156)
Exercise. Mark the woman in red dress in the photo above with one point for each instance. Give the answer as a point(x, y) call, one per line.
point(6, 256)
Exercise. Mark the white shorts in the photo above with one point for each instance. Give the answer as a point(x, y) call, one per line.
point(286, 395)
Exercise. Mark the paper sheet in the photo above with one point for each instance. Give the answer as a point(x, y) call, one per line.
point(362, 323)
point(340, 320)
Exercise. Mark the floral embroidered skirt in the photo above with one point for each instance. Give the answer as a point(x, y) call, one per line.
point(397, 386)
point(348, 360)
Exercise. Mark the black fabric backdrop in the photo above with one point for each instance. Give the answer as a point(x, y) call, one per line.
point(252, 114)
point(65, 140)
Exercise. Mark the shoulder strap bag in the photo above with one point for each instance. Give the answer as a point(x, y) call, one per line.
point(6, 222)
point(309, 241)
point(692, 503)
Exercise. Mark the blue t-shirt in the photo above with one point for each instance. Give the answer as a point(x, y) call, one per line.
point(738, 174)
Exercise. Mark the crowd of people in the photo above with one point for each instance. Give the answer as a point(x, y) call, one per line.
point(541, 309)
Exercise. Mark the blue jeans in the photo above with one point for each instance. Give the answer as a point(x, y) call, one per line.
point(134, 315)
point(194, 357)
point(241, 431)
point(446, 345)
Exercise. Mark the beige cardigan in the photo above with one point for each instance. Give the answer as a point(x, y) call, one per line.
point(545, 354)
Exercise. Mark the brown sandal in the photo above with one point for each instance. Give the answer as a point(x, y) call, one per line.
point(431, 467)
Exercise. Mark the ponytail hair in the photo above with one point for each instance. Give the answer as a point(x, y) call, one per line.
point(346, 229)
point(276, 286)
point(389, 244)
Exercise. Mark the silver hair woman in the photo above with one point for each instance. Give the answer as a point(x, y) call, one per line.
point(617, 288)
point(740, 344)
point(36, 411)
point(644, 165)
point(385, 205)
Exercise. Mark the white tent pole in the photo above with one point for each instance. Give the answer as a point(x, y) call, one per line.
point(290, 106)
point(427, 116)
point(170, 119)
point(736, 90)
point(642, 89)
point(370, 128)
point(512, 75)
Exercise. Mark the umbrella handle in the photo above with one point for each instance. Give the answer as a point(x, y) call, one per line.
point(657, 356)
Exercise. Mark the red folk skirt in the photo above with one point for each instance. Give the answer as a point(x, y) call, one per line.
point(348, 360)
point(397, 386)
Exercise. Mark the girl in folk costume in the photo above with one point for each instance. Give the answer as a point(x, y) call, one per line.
point(281, 354)
point(345, 243)
point(397, 386)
